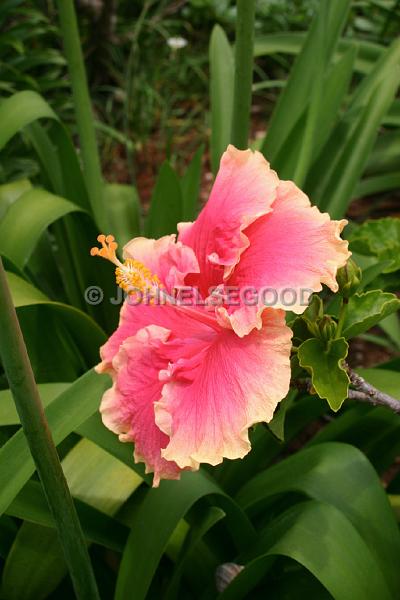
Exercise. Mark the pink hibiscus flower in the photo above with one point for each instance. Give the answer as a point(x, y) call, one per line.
point(189, 381)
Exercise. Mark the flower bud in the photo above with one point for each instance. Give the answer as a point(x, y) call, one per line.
point(349, 279)
point(327, 328)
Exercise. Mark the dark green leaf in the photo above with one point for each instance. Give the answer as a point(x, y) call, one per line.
point(366, 310)
point(324, 363)
point(166, 204)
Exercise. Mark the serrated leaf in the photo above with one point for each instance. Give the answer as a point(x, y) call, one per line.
point(366, 310)
point(380, 238)
point(323, 362)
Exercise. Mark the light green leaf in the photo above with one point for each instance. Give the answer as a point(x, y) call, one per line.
point(324, 363)
point(64, 415)
point(97, 478)
point(10, 192)
point(8, 413)
point(20, 110)
point(384, 379)
point(221, 93)
point(30, 505)
point(25, 221)
point(123, 208)
point(366, 310)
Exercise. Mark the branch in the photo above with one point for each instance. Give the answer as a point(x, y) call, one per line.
point(363, 392)
point(366, 392)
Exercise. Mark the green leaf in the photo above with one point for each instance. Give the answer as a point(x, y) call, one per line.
point(97, 478)
point(78, 327)
point(369, 274)
point(335, 88)
point(59, 162)
point(335, 175)
point(221, 93)
point(305, 533)
point(202, 525)
point(157, 518)
point(324, 363)
point(295, 97)
point(16, 464)
point(94, 477)
point(384, 379)
point(190, 184)
point(25, 221)
point(25, 571)
point(391, 326)
point(166, 204)
point(379, 238)
point(20, 110)
point(385, 156)
point(340, 475)
point(377, 185)
point(10, 192)
point(367, 53)
point(93, 429)
point(8, 412)
point(277, 425)
point(366, 310)
point(30, 504)
point(123, 208)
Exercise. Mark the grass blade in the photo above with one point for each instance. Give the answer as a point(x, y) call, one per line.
point(83, 111)
point(243, 73)
point(221, 94)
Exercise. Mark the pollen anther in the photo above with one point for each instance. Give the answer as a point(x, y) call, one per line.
point(132, 275)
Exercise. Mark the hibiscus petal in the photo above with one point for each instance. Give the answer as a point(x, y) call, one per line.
point(244, 190)
point(293, 251)
point(136, 316)
point(212, 397)
point(128, 407)
point(171, 261)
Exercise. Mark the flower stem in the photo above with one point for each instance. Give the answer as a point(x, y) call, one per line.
point(19, 373)
point(342, 316)
point(243, 73)
point(83, 111)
